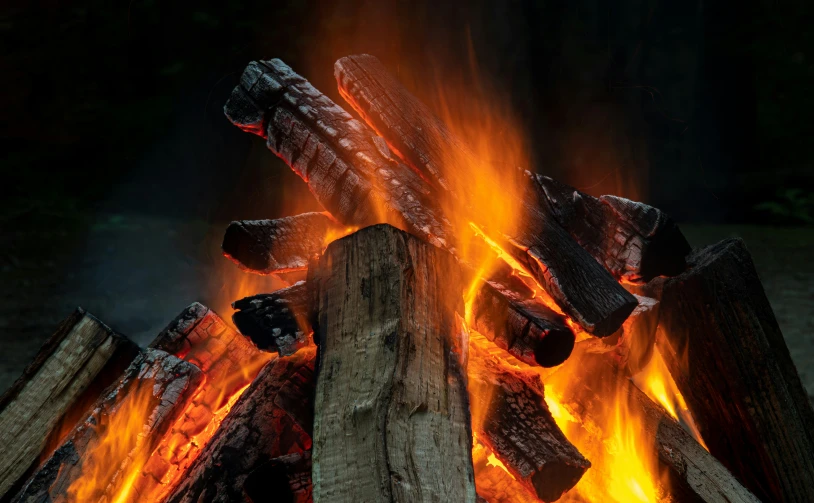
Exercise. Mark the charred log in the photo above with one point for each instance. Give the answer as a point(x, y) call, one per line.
point(155, 388)
point(494, 483)
point(281, 245)
point(391, 387)
point(724, 348)
point(510, 416)
point(278, 321)
point(286, 479)
point(73, 367)
point(273, 418)
point(538, 242)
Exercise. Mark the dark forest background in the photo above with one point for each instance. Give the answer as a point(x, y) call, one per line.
point(119, 170)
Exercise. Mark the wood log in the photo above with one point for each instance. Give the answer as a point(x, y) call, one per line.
point(281, 245)
point(392, 421)
point(276, 322)
point(589, 385)
point(493, 481)
point(100, 456)
point(353, 174)
point(510, 416)
point(286, 479)
point(634, 241)
point(230, 363)
point(72, 368)
point(273, 418)
point(724, 348)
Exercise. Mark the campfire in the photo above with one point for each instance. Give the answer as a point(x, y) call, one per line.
point(454, 328)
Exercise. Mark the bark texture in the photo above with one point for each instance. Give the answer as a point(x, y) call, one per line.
point(722, 344)
point(72, 368)
point(392, 420)
point(273, 418)
point(99, 453)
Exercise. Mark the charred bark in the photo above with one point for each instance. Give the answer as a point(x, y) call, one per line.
point(286, 479)
point(581, 287)
point(392, 413)
point(154, 389)
point(73, 367)
point(273, 418)
point(281, 245)
point(278, 321)
point(724, 348)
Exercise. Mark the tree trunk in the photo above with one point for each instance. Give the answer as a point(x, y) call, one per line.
point(72, 368)
point(392, 413)
point(104, 452)
point(723, 346)
point(273, 418)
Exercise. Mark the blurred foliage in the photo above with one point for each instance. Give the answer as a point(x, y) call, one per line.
point(790, 206)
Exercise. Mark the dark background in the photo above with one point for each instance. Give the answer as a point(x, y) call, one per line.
point(119, 171)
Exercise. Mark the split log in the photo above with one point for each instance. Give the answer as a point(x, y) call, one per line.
point(353, 174)
point(392, 421)
point(510, 416)
point(101, 455)
point(230, 363)
point(588, 387)
point(281, 245)
point(580, 287)
point(273, 418)
point(73, 367)
point(633, 240)
point(724, 348)
point(286, 479)
point(278, 321)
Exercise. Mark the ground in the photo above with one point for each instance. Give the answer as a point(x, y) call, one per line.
point(136, 273)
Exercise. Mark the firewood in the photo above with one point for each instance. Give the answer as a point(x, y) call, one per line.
point(724, 348)
point(510, 416)
point(281, 245)
point(494, 483)
point(229, 361)
point(272, 418)
point(72, 368)
point(575, 281)
point(276, 322)
point(286, 479)
point(585, 384)
point(392, 411)
point(634, 241)
point(353, 174)
point(96, 460)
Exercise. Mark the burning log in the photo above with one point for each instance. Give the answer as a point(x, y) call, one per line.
point(72, 368)
point(510, 416)
point(688, 471)
point(276, 322)
point(101, 457)
point(392, 413)
point(353, 174)
point(281, 245)
point(273, 418)
point(288, 478)
point(724, 348)
point(493, 481)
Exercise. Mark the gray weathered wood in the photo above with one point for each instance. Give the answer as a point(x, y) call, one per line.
point(72, 368)
point(155, 388)
point(724, 348)
point(392, 413)
point(272, 418)
point(281, 245)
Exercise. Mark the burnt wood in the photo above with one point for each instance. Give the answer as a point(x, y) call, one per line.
point(577, 283)
point(157, 385)
point(80, 360)
point(273, 418)
point(278, 321)
point(286, 479)
point(724, 348)
point(494, 483)
point(510, 416)
point(687, 471)
point(392, 412)
point(281, 245)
